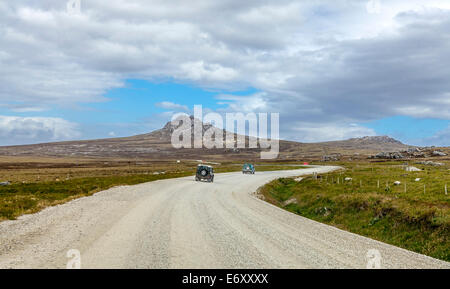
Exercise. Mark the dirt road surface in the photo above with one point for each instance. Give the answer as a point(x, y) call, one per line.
point(180, 223)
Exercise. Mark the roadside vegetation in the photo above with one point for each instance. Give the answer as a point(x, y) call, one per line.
point(33, 189)
point(363, 199)
point(20, 199)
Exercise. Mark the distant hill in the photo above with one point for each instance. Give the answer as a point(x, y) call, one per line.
point(382, 143)
point(157, 145)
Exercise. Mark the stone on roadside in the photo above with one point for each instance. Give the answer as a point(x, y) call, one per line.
point(412, 169)
point(289, 202)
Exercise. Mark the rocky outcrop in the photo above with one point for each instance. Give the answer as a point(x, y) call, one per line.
point(438, 154)
point(331, 158)
point(388, 155)
point(430, 163)
point(414, 152)
point(412, 169)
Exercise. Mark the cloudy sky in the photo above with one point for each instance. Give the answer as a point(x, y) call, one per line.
point(332, 69)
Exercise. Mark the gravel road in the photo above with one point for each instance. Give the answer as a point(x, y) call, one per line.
point(180, 223)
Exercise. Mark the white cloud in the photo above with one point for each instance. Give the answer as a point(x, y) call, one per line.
point(310, 132)
point(201, 71)
point(309, 59)
point(172, 106)
point(250, 103)
point(441, 138)
point(14, 129)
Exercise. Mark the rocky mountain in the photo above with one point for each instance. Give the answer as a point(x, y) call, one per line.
point(382, 143)
point(157, 145)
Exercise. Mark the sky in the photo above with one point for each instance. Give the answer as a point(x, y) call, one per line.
point(332, 69)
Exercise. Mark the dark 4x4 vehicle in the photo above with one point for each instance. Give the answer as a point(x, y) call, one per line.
point(204, 173)
point(248, 169)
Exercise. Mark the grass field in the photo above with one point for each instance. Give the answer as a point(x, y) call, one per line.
point(38, 185)
point(415, 216)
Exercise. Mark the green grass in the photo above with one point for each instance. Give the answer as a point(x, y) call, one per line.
point(415, 220)
point(25, 198)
